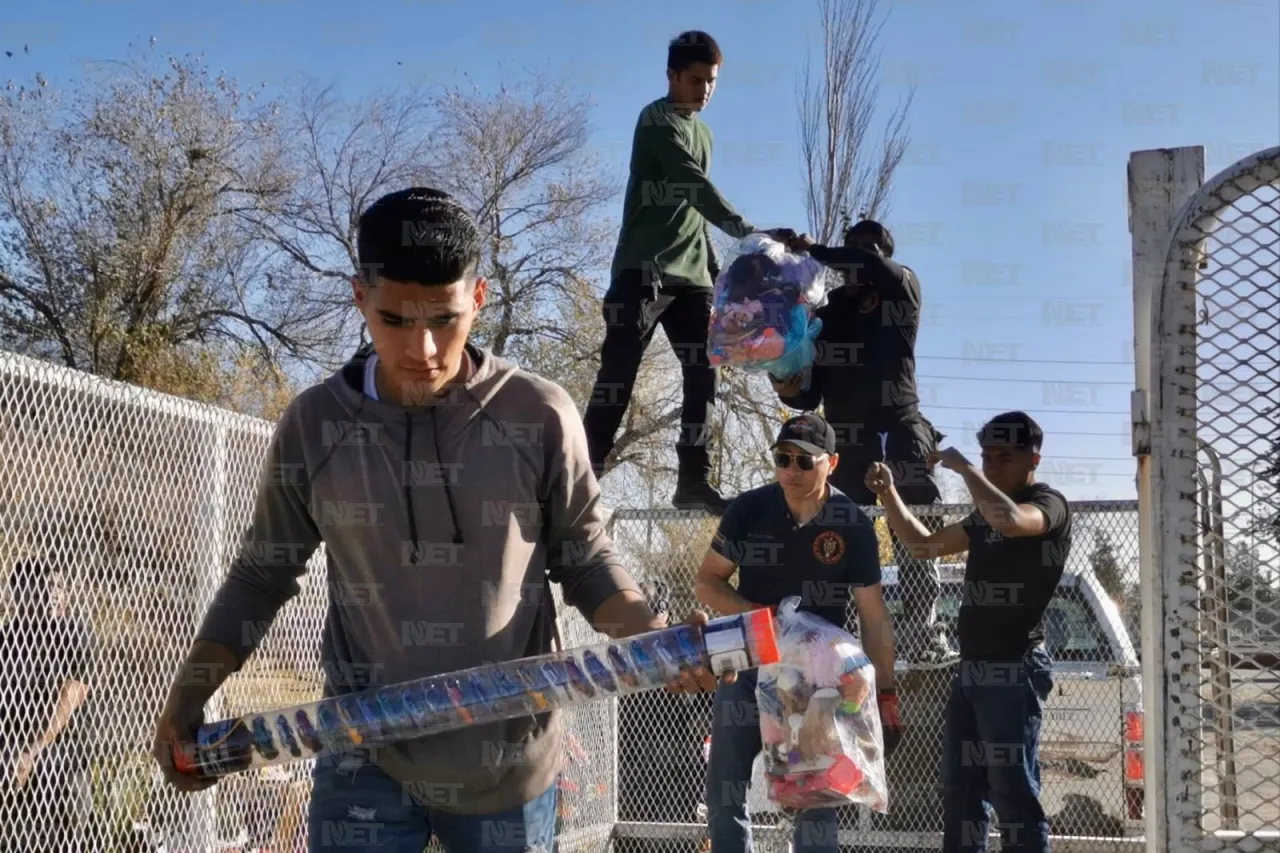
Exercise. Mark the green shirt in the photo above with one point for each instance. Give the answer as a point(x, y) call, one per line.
point(670, 201)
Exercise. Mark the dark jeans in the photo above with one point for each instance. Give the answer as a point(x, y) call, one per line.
point(905, 450)
point(355, 808)
point(735, 742)
point(633, 307)
point(991, 755)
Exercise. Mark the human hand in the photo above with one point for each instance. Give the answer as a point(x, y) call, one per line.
point(801, 243)
point(782, 235)
point(879, 478)
point(698, 679)
point(25, 766)
point(950, 458)
point(890, 721)
point(175, 733)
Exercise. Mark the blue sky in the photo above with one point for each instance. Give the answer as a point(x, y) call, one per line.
point(1011, 206)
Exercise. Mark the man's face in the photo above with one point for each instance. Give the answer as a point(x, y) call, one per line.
point(796, 482)
point(419, 332)
point(691, 89)
point(1007, 468)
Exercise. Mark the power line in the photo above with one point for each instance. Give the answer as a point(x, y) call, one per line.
point(1037, 381)
point(1054, 432)
point(1019, 360)
point(1042, 411)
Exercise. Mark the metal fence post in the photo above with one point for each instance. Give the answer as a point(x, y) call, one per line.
point(1160, 182)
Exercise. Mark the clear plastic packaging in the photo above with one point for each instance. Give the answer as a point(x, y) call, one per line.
point(819, 721)
point(479, 695)
point(763, 308)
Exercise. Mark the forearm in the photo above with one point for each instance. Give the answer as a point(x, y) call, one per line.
point(877, 639)
point(909, 530)
point(719, 596)
point(683, 173)
point(863, 266)
point(207, 666)
point(69, 701)
point(625, 614)
point(995, 506)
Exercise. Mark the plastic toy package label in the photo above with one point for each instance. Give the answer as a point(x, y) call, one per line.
point(480, 695)
point(819, 721)
point(763, 309)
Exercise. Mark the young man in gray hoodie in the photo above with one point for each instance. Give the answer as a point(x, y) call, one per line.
point(450, 488)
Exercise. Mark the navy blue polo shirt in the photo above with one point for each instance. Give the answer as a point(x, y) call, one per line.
point(821, 561)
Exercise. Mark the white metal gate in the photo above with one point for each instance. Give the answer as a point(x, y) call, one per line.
point(1214, 441)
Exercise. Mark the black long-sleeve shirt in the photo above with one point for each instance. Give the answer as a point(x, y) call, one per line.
point(865, 368)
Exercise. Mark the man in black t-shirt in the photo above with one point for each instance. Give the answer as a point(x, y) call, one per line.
point(47, 660)
point(864, 378)
point(1018, 538)
point(799, 536)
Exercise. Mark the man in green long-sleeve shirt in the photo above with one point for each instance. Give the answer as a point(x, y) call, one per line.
point(664, 267)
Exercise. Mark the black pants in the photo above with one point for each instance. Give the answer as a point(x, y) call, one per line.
point(905, 449)
point(634, 306)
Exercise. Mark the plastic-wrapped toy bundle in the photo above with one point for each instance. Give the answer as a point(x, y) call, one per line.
point(819, 722)
point(763, 308)
point(483, 694)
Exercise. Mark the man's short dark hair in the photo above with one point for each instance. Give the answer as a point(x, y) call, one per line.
point(419, 235)
point(869, 229)
point(1012, 429)
point(691, 47)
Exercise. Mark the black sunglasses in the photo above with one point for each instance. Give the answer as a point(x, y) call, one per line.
point(806, 461)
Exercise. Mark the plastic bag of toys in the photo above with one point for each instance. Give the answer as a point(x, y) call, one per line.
point(762, 315)
point(819, 723)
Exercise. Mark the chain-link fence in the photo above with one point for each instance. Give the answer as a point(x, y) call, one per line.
point(127, 507)
point(1090, 744)
point(1216, 475)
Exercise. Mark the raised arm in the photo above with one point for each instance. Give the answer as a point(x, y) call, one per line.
point(671, 148)
point(919, 541)
point(865, 267)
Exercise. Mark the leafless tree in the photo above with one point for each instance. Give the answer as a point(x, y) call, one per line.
point(341, 156)
point(848, 169)
point(122, 247)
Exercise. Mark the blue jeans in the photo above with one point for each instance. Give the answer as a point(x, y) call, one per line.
point(357, 807)
point(735, 742)
point(991, 755)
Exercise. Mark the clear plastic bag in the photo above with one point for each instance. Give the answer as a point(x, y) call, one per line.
point(763, 307)
point(819, 722)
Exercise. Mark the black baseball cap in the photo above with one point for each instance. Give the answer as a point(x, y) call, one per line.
point(811, 433)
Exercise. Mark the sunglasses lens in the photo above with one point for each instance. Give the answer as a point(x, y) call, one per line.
point(805, 462)
point(782, 460)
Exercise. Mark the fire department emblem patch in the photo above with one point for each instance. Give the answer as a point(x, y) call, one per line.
point(828, 547)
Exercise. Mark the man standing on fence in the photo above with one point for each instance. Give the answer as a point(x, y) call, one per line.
point(1017, 538)
point(450, 489)
point(864, 378)
point(664, 267)
point(797, 536)
point(48, 659)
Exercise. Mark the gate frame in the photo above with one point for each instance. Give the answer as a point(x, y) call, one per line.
point(1170, 565)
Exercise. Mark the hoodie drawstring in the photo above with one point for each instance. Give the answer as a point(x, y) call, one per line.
point(448, 493)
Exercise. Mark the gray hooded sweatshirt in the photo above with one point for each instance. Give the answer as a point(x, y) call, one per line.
point(442, 530)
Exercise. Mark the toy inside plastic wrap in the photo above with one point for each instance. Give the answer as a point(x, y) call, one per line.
point(763, 308)
point(819, 722)
point(483, 694)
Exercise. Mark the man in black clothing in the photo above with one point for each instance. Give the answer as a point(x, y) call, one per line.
point(864, 378)
point(1018, 538)
point(47, 660)
point(664, 267)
